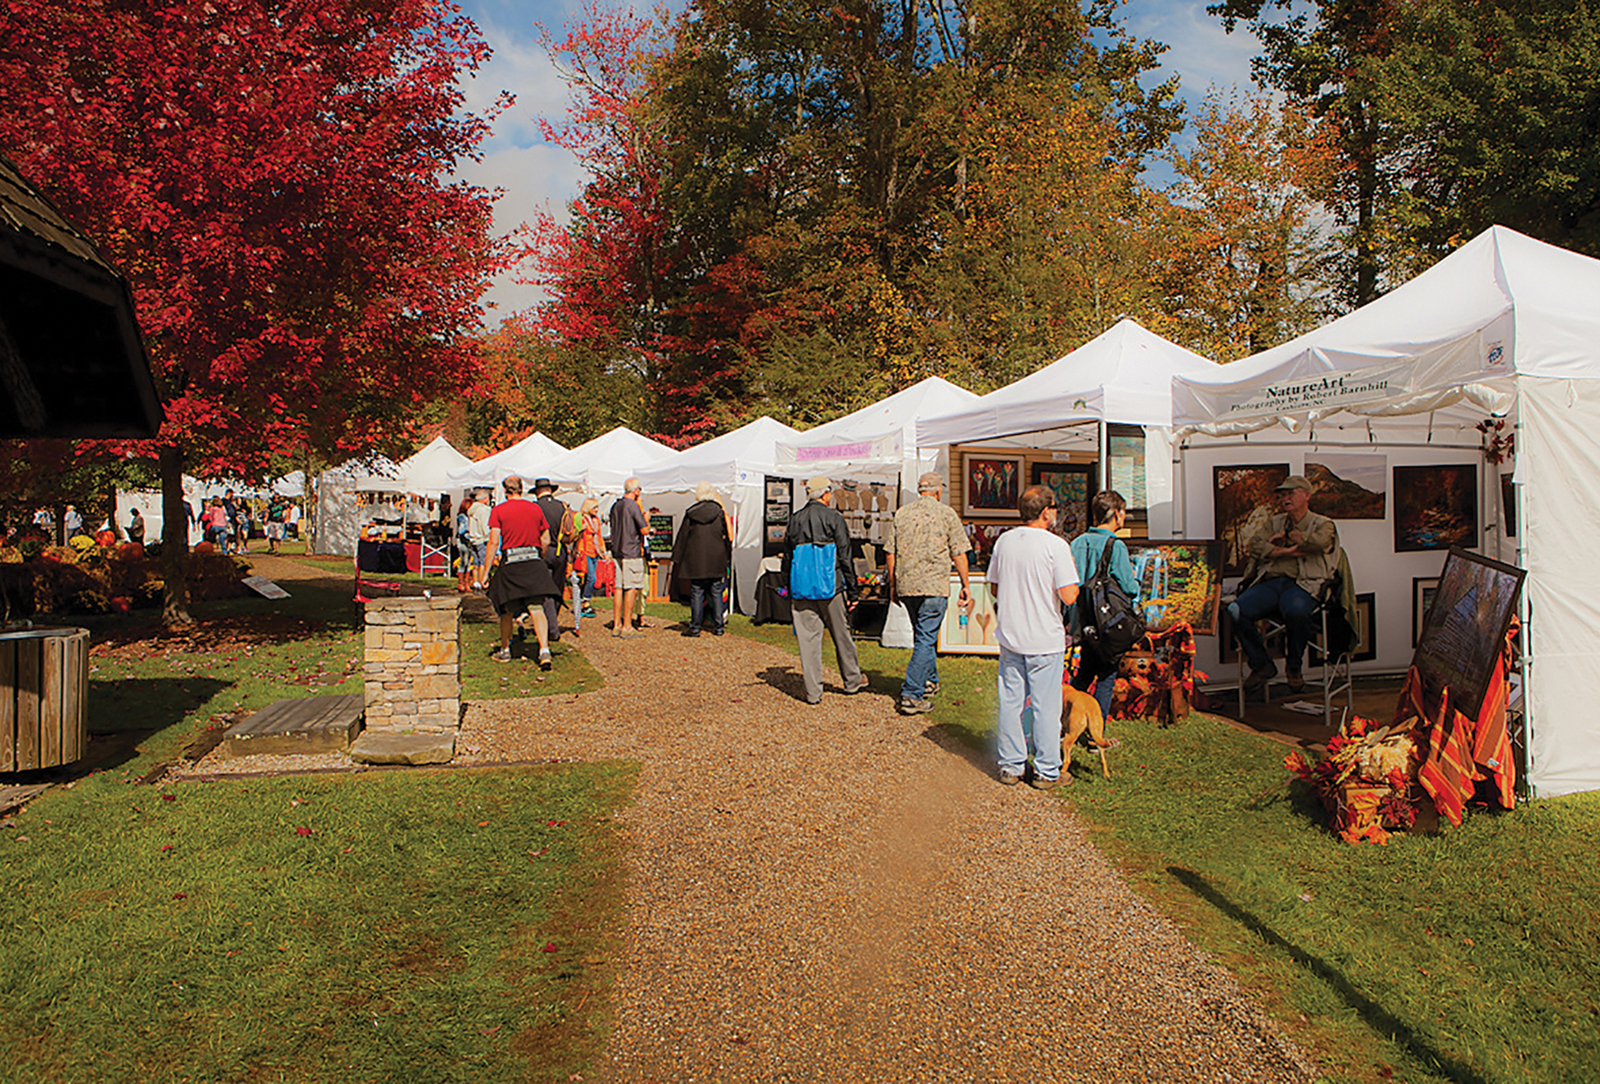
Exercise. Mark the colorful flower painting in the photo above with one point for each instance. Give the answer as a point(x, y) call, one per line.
point(991, 484)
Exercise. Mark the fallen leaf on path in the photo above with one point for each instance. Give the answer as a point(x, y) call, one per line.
point(302, 831)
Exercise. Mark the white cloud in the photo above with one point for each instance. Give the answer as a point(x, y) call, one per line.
point(1199, 51)
point(533, 179)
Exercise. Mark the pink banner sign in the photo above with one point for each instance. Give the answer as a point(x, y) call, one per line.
point(859, 450)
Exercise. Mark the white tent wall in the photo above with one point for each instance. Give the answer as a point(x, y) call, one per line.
point(1369, 543)
point(1558, 484)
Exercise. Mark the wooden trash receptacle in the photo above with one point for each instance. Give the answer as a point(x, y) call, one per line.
point(44, 679)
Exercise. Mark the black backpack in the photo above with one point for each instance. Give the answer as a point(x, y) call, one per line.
point(1110, 622)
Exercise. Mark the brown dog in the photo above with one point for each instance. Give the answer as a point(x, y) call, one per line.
point(1083, 713)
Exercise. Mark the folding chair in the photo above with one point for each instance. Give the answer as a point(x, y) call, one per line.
point(1335, 633)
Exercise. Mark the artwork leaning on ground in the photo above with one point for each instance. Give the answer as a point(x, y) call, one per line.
point(991, 484)
point(1073, 485)
point(1244, 498)
point(1348, 486)
point(1180, 582)
point(969, 629)
point(1464, 631)
point(1435, 507)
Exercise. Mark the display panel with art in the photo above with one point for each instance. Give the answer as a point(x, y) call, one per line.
point(1244, 499)
point(1179, 582)
point(1348, 486)
point(1435, 507)
point(1464, 631)
point(1073, 485)
point(969, 629)
point(991, 484)
point(1126, 468)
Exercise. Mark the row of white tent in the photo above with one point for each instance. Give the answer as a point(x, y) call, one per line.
point(1504, 327)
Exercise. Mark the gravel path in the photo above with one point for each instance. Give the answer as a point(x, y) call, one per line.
point(835, 893)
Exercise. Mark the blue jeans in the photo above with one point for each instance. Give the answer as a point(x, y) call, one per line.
point(927, 614)
point(1280, 597)
point(590, 564)
point(1030, 681)
point(702, 593)
point(1092, 669)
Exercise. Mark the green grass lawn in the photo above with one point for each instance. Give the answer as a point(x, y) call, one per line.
point(1472, 956)
point(397, 925)
point(417, 926)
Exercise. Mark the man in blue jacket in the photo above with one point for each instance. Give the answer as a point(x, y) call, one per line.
point(1108, 512)
point(818, 524)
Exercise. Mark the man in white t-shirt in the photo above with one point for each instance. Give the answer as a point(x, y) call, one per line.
point(1033, 575)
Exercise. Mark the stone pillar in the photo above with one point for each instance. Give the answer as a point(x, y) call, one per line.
point(413, 665)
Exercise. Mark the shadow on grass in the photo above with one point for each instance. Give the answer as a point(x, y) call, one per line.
point(148, 704)
point(1378, 1018)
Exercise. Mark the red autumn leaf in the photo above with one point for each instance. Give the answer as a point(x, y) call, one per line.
point(302, 831)
point(483, 824)
point(549, 946)
point(168, 847)
point(180, 895)
point(169, 797)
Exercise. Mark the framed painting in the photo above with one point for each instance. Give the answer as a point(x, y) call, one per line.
point(981, 537)
point(1348, 486)
point(1362, 622)
point(1073, 485)
point(1423, 588)
point(969, 629)
point(1464, 631)
point(1180, 582)
point(990, 484)
point(1435, 508)
point(1243, 498)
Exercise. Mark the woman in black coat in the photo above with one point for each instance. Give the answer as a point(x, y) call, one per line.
point(700, 554)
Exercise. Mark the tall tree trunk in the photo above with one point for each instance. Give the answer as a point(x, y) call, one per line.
point(111, 513)
point(174, 539)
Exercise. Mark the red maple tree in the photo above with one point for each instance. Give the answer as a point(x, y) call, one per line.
point(273, 177)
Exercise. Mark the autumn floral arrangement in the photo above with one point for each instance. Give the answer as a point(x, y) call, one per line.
point(1367, 779)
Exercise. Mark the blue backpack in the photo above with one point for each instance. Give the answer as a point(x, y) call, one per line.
point(812, 571)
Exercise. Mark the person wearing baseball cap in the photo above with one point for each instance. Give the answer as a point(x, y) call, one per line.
point(1292, 558)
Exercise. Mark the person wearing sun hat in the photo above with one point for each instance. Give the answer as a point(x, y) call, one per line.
point(815, 606)
point(1292, 557)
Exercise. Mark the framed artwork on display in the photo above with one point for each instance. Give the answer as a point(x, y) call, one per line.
point(1180, 582)
point(1348, 486)
point(1435, 508)
point(981, 537)
point(990, 484)
point(1243, 499)
point(969, 629)
point(1362, 622)
point(1423, 588)
point(1464, 631)
point(1073, 485)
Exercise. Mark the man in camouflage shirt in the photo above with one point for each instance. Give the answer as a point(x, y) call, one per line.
point(928, 538)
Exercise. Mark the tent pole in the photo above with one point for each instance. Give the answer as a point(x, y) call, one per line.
point(1105, 467)
point(1180, 487)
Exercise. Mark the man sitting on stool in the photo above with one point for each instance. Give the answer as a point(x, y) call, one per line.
point(1292, 558)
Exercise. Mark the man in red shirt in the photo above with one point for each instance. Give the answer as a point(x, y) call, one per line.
point(520, 580)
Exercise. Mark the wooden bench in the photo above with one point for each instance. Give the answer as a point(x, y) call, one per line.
point(44, 679)
point(312, 724)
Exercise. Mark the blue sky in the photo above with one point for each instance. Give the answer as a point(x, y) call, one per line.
point(536, 175)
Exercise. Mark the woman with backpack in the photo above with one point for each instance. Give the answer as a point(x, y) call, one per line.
point(1108, 512)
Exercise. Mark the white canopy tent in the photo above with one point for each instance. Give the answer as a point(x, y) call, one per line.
point(1121, 376)
point(737, 464)
point(1504, 325)
point(597, 466)
point(877, 441)
point(428, 471)
point(534, 448)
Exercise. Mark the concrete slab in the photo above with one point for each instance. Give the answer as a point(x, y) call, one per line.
point(388, 747)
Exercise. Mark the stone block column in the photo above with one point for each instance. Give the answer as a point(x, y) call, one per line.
point(412, 665)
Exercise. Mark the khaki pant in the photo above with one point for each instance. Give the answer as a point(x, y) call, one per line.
point(810, 617)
